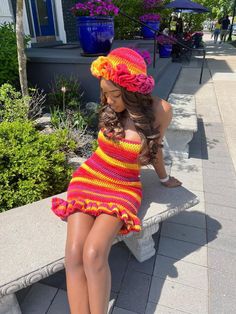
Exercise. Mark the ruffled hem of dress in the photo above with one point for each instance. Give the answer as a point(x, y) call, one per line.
point(64, 208)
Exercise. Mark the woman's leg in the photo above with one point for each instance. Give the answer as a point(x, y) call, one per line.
point(78, 228)
point(95, 258)
point(215, 37)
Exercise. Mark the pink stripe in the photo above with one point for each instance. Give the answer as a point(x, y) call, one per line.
point(86, 195)
point(96, 166)
point(79, 187)
point(126, 172)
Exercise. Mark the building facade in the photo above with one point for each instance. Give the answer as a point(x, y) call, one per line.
point(46, 21)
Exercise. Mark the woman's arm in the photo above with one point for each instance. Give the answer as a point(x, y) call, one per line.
point(163, 117)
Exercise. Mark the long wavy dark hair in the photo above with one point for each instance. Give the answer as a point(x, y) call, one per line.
point(139, 108)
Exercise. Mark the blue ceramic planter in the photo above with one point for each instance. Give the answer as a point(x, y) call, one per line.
point(146, 32)
point(165, 51)
point(96, 34)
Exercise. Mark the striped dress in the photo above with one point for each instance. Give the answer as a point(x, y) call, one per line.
point(108, 182)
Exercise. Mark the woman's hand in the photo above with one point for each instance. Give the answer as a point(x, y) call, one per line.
point(172, 182)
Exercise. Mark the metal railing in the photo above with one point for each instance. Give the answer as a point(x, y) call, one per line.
point(177, 42)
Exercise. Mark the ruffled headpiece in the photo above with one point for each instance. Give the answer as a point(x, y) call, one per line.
point(125, 67)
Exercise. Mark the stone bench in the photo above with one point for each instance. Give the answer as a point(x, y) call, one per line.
point(183, 125)
point(32, 238)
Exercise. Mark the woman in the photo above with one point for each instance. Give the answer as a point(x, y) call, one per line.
point(217, 31)
point(105, 193)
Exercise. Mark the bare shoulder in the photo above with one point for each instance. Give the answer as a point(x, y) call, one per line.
point(162, 111)
point(131, 133)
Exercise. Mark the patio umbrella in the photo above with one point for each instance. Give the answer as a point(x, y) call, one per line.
point(186, 6)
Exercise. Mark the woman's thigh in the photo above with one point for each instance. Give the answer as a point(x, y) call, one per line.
point(78, 227)
point(101, 236)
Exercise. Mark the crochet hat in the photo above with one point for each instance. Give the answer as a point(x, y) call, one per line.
point(125, 67)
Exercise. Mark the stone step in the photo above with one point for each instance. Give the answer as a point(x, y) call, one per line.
point(160, 68)
point(167, 79)
point(183, 125)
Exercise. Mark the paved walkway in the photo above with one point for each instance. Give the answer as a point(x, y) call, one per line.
point(194, 268)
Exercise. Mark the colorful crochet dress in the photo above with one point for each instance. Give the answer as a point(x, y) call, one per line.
point(108, 182)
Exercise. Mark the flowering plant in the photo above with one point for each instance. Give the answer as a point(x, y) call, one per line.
point(95, 8)
point(165, 40)
point(145, 54)
point(149, 4)
point(150, 17)
point(197, 34)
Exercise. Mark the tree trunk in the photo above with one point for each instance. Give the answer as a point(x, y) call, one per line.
point(20, 48)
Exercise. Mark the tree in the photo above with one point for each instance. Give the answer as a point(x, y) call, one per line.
point(218, 8)
point(21, 47)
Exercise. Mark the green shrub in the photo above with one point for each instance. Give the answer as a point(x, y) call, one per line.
point(12, 105)
point(8, 54)
point(125, 28)
point(32, 165)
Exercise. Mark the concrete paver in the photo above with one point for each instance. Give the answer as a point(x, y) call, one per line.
point(184, 251)
point(222, 283)
point(118, 259)
point(199, 243)
point(60, 304)
point(219, 211)
point(222, 241)
point(38, 299)
point(178, 296)
point(133, 295)
point(190, 218)
point(225, 262)
point(181, 272)
point(153, 308)
point(221, 304)
point(216, 198)
point(118, 310)
point(145, 267)
point(184, 233)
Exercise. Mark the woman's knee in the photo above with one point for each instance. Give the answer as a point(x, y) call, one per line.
point(95, 257)
point(74, 256)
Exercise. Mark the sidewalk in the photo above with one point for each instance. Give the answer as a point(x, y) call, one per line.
point(194, 268)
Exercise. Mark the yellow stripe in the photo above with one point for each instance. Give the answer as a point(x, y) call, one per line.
point(115, 162)
point(115, 60)
point(102, 176)
point(132, 147)
point(103, 184)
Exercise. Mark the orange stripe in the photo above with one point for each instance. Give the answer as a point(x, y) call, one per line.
point(110, 186)
point(101, 176)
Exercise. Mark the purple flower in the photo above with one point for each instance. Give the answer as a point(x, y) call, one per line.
point(95, 7)
point(149, 4)
point(165, 40)
point(143, 53)
point(150, 17)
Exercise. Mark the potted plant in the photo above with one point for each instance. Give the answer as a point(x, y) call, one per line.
point(152, 20)
point(165, 43)
point(95, 25)
point(143, 53)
